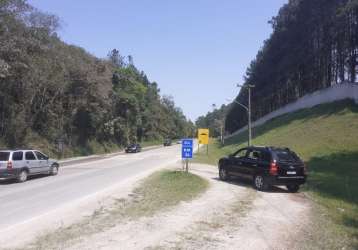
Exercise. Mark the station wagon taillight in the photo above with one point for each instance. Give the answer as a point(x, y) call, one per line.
point(273, 168)
point(9, 165)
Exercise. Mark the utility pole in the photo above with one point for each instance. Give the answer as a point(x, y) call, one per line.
point(222, 130)
point(247, 108)
point(219, 123)
point(249, 116)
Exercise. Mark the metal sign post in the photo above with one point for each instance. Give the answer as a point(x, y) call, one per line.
point(60, 147)
point(187, 152)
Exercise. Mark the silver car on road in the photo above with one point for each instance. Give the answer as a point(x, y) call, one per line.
point(20, 164)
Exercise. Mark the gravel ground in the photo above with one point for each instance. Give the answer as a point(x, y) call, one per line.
point(228, 216)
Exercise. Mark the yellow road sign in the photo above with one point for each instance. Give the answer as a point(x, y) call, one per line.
point(203, 136)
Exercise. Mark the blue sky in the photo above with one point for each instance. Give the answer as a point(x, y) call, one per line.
point(197, 50)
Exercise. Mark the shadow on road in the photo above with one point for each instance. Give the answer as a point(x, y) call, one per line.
point(30, 178)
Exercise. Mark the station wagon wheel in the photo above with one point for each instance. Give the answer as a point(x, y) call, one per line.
point(224, 176)
point(54, 170)
point(22, 177)
point(260, 183)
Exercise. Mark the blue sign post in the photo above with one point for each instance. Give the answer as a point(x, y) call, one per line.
point(187, 151)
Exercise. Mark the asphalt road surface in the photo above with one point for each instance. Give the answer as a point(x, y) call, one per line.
point(21, 202)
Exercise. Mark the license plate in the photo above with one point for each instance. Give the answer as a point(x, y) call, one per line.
point(291, 172)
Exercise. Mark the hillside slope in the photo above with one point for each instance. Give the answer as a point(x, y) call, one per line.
point(60, 99)
point(326, 137)
point(313, 46)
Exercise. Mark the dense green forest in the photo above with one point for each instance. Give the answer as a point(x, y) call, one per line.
point(314, 45)
point(51, 91)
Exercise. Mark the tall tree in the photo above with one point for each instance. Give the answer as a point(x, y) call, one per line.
point(52, 91)
point(314, 45)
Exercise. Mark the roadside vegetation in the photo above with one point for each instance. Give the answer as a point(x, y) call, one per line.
point(53, 94)
point(152, 143)
point(159, 191)
point(326, 138)
point(216, 151)
point(313, 46)
point(165, 189)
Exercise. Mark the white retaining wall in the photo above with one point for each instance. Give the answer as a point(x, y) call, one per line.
point(331, 94)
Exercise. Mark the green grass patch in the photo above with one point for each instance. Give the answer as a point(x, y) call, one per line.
point(35, 141)
point(212, 156)
point(326, 137)
point(2, 144)
point(151, 143)
point(92, 147)
point(163, 189)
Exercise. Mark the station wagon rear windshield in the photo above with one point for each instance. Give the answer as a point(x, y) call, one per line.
point(286, 155)
point(4, 156)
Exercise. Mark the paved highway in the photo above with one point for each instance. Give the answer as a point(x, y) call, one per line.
point(23, 201)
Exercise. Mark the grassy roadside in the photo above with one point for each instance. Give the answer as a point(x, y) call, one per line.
point(93, 147)
point(161, 190)
point(164, 189)
point(151, 143)
point(35, 141)
point(215, 153)
point(326, 137)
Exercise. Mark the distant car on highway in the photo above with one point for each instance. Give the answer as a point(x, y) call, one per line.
point(167, 142)
point(133, 148)
point(266, 166)
point(20, 164)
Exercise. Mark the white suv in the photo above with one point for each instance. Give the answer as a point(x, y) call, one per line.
point(19, 164)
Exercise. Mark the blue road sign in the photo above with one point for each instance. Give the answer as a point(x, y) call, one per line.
point(187, 149)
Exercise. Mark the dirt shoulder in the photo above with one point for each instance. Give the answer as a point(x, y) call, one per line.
point(227, 216)
point(245, 218)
